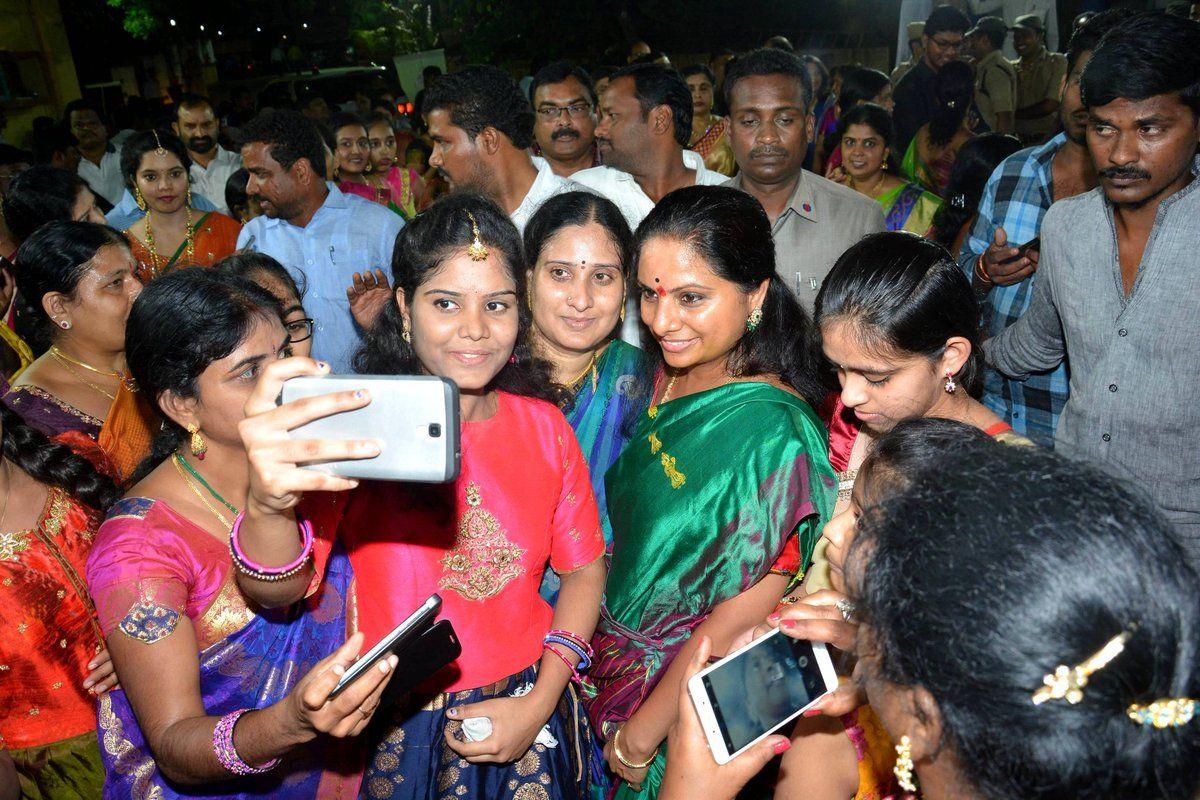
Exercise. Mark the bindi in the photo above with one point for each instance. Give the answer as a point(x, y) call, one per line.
point(661, 291)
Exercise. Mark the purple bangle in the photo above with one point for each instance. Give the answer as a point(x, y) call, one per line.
point(268, 573)
point(225, 751)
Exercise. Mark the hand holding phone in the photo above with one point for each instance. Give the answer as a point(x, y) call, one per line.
point(1006, 264)
point(399, 638)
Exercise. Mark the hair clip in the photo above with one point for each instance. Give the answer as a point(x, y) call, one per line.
point(477, 251)
point(1068, 682)
point(1167, 713)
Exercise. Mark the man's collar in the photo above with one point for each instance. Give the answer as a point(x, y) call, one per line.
point(803, 201)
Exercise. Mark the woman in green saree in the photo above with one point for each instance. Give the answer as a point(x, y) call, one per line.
point(724, 469)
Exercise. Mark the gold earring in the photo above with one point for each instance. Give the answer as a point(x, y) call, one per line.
point(198, 446)
point(141, 201)
point(904, 765)
point(406, 332)
point(622, 308)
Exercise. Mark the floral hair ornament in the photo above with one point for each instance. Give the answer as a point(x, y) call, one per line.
point(1169, 713)
point(160, 151)
point(1068, 682)
point(477, 250)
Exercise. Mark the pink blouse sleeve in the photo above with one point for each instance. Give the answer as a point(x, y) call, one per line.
point(575, 536)
point(138, 575)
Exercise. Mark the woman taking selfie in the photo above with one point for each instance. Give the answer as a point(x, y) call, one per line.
point(218, 697)
point(482, 543)
point(173, 234)
point(79, 280)
point(579, 250)
point(700, 511)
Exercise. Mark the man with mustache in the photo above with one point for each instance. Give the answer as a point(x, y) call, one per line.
point(564, 100)
point(481, 126)
point(813, 220)
point(1014, 202)
point(1117, 283)
point(196, 126)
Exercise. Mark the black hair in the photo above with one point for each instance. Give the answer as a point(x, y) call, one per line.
point(290, 136)
point(912, 446)
point(997, 565)
point(900, 292)
point(148, 142)
point(250, 265)
point(578, 208)
point(193, 100)
point(946, 18)
point(780, 43)
point(861, 85)
point(994, 36)
point(181, 323)
point(655, 85)
point(50, 140)
point(235, 190)
point(699, 69)
point(431, 71)
point(376, 117)
point(975, 162)
point(52, 463)
point(1123, 66)
point(480, 97)
point(954, 90)
point(821, 92)
point(440, 232)
point(55, 257)
point(37, 196)
point(1088, 32)
point(82, 104)
point(344, 119)
point(877, 119)
point(768, 61)
point(559, 71)
point(730, 231)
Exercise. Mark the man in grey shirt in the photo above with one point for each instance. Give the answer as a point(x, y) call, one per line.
point(1117, 288)
point(813, 220)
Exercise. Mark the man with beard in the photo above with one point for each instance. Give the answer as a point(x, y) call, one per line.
point(1117, 281)
point(481, 126)
point(323, 237)
point(196, 126)
point(813, 220)
point(645, 124)
point(564, 100)
point(1011, 209)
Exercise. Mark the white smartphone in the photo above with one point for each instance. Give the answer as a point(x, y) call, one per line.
point(415, 419)
point(757, 688)
point(407, 631)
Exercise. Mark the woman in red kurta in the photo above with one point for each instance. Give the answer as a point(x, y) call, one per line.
point(523, 500)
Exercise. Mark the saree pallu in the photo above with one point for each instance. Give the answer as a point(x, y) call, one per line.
point(702, 501)
point(713, 146)
point(413, 762)
point(909, 208)
point(214, 236)
point(251, 668)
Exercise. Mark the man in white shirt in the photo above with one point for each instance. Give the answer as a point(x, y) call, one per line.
point(196, 126)
point(100, 159)
point(645, 124)
point(481, 125)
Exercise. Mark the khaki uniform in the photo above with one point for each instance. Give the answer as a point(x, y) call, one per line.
point(1039, 78)
point(901, 69)
point(995, 87)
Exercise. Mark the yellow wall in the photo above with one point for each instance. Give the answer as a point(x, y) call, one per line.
point(37, 25)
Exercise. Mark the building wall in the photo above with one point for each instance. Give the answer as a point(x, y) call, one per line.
point(37, 26)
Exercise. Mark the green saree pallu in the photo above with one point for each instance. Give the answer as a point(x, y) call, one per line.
point(702, 501)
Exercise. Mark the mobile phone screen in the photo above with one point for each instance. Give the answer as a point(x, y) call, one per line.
point(757, 691)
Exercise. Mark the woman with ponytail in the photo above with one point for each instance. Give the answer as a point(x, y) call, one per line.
point(932, 152)
point(52, 661)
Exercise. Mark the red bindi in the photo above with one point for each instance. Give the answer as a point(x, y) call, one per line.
point(661, 291)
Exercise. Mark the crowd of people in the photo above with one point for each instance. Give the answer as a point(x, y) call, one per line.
point(901, 364)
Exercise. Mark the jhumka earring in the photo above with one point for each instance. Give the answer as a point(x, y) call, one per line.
point(951, 386)
point(477, 251)
point(141, 201)
point(904, 765)
point(198, 446)
point(406, 332)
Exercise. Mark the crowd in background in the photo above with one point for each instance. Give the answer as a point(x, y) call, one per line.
point(899, 363)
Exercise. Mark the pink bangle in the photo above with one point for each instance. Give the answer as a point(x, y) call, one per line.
point(258, 571)
point(575, 676)
point(587, 648)
point(225, 751)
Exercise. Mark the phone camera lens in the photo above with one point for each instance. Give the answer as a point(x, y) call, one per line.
point(435, 430)
point(803, 661)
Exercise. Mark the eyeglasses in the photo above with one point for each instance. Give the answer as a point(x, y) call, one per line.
point(299, 330)
point(574, 111)
point(957, 44)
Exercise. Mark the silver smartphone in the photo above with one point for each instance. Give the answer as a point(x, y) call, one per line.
point(415, 419)
point(754, 690)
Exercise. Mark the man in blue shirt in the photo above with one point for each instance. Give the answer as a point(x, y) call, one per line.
point(322, 236)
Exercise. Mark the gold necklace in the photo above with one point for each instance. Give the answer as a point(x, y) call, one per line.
point(67, 365)
point(189, 237)
point(873, 191)
point(575, 382)
point(200, 496)
point(652, 411)
point(123, 377)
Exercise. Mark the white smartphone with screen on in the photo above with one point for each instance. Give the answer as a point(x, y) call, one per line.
point(415, 419)
point(754, 690)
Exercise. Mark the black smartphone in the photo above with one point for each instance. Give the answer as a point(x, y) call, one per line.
point(1033, 244)
point(432, 650)
point(404, 633)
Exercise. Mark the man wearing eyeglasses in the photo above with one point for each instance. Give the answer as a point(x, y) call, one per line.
point(564, 130)
point(943, 42)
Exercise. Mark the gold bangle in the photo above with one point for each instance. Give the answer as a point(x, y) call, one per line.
point(621, 756)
